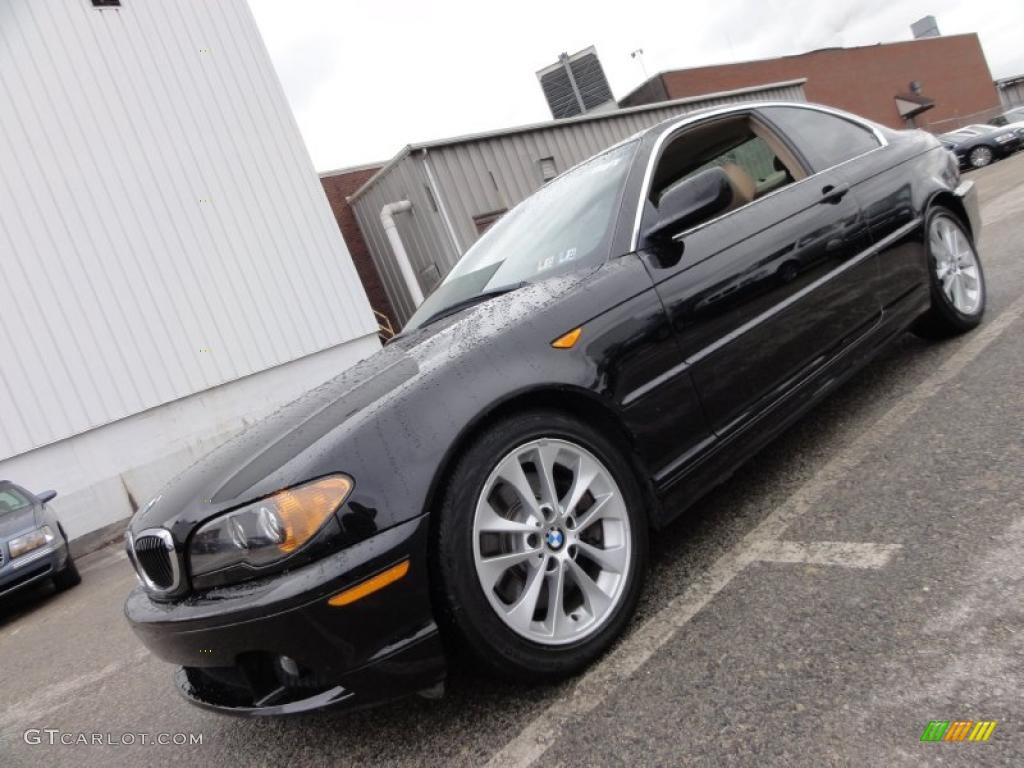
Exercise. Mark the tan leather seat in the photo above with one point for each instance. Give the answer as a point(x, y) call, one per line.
point(744, 188)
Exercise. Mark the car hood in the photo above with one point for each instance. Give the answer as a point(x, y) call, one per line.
point(12, 523)
point(278, 451)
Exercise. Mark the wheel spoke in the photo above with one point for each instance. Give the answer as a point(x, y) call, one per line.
point(520, 615)
point(609, 559)
point(556, 601)
point(948, 285)
point(545, 460)
point(493, 568)
point(489, 521)
point(959, 295)
point(511, 471)
point(947, 239)
point(594, 598)
point(970, 277)
point(586, 473)
point(599, 509)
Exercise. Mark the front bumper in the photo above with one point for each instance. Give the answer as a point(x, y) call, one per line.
point(275, 646)
point(33, 567)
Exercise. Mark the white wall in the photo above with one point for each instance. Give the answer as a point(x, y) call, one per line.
point(156, 202)
point(101, 472)
point(169, 265)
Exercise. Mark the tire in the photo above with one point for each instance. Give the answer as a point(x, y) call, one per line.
point(981, 156)
point(581, 628)
point(69, 577)
point(949, 315)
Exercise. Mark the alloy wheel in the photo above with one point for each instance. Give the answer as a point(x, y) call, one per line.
point(552, 542)
point(981, 156)
point(956, 265)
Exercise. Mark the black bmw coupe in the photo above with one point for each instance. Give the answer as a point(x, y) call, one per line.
point(485, 486)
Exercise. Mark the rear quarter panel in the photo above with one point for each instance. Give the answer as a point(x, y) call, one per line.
point(895, 186)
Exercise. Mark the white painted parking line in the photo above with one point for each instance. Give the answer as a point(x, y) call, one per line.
point(842, 553)
point(594, 686)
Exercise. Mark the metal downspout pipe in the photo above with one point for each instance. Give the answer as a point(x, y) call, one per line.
point(387, 220)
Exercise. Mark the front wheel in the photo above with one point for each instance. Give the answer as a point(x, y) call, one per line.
point(68, 577)
point(541, 547)
point(957, 280)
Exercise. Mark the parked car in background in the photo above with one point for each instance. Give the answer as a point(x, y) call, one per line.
point(1015, 115)
point(982, 128)
point(1017, 128)
point(33, 545)
point(605, 354)
point(979, 145)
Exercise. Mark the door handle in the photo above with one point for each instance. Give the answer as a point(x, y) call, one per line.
point(834, 193)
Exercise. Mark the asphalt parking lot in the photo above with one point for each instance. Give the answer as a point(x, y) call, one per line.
point(859, 579)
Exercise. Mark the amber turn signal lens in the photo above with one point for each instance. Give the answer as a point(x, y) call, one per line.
point(371, 585)
point(304, 510)
point(568, 340)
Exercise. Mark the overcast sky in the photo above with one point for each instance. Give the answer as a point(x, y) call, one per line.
point(366, 77)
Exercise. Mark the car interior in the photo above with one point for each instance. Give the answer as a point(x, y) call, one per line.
point(756, 161)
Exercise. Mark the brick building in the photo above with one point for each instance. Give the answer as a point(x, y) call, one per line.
point(338, 185)
point(951, 70)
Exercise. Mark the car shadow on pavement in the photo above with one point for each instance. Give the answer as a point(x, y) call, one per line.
point(24, 601)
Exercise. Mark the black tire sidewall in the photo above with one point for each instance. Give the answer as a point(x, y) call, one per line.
point(68, 576)
point(942, 307)
point(466, 611)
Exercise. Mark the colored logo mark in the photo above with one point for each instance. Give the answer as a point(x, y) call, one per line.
point(958, 730)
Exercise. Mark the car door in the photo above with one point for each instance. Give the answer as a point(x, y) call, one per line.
point(767, 292)
point(852, 150)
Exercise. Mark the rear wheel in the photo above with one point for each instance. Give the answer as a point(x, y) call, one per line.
point(541, 547)
point(957, 279)
point(981, 156)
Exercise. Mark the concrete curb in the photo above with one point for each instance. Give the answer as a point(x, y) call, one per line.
point(99, 538)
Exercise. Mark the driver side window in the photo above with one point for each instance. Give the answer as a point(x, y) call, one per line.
point(714, 168)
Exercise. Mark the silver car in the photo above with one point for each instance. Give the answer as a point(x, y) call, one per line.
point(33, 545)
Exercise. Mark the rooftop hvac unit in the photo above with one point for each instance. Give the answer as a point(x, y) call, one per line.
point(575, 84)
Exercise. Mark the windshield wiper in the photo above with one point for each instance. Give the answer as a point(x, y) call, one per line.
point(471, 301)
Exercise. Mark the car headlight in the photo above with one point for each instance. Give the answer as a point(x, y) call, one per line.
point(34, 540)
point(270, 530)
point(1005, 137)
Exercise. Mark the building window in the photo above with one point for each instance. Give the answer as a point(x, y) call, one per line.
point(484, 221)
point(106, 3)
point(548, 169)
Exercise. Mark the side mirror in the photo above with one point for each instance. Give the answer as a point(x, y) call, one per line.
point(46, 496)
point(689, 201)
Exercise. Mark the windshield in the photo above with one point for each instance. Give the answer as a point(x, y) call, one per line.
point(11, 500)
point(562, 226)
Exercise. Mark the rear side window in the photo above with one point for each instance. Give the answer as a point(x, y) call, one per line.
point(824, 139)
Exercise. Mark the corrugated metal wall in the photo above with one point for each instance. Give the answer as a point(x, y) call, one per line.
point(162, 229)
point(1011, 93)
point(484, 175)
